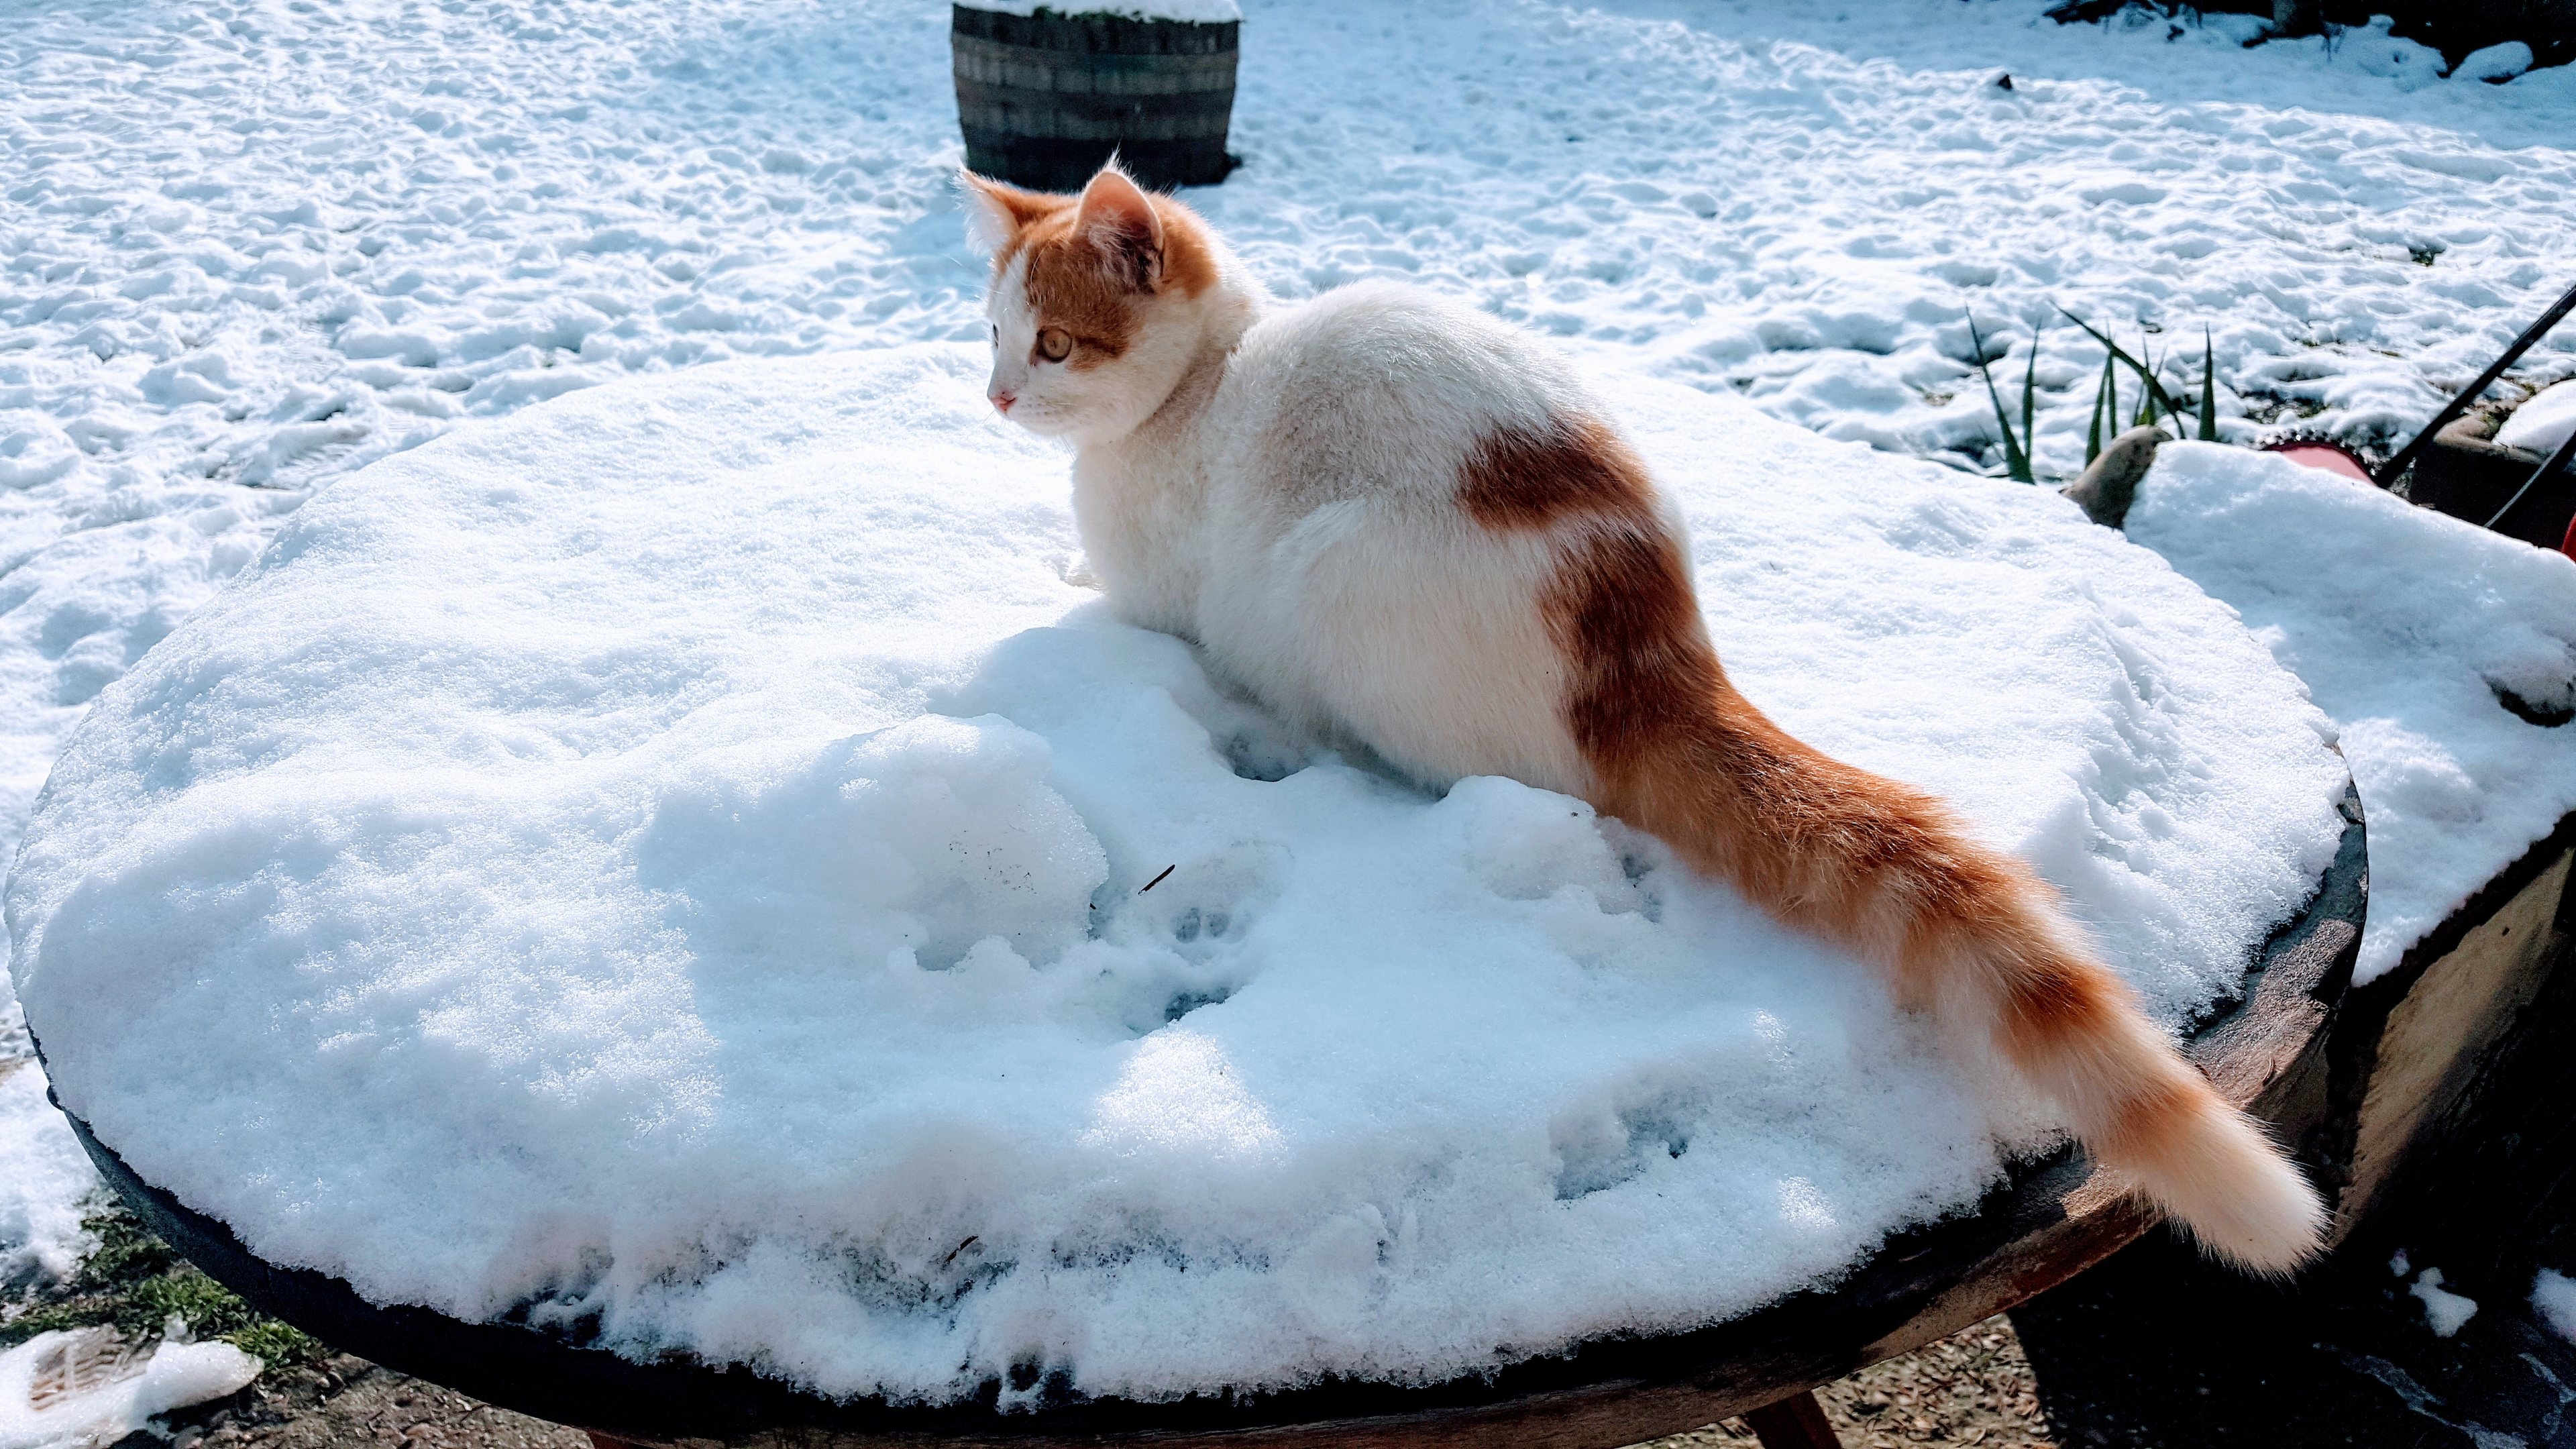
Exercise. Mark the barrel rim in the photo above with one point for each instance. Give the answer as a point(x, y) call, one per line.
point(1095, 32)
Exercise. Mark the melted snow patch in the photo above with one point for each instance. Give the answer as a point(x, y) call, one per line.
point(84, 1389)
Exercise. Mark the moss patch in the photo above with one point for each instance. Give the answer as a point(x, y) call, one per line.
point(134, 1282)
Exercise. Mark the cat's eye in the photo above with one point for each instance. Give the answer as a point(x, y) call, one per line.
point(996, 329)
point(1054, 344)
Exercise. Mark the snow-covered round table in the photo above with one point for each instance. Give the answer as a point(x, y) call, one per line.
point(672, 912)
point(2056, 1217)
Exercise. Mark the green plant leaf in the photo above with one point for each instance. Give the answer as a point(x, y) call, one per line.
point(2145, 375)
point(2102, 394)
point(2016, 457)
point(2029, 430)
point(2208, 389)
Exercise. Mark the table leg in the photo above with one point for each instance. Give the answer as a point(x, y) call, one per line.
point(1796, 1422)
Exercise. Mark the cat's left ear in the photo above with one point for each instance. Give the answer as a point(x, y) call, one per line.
point(996, 212)
point(1119, 219)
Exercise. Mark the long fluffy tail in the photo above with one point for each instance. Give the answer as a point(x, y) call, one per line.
point(1975, 936)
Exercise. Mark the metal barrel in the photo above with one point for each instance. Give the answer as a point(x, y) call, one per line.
point(1044, 99)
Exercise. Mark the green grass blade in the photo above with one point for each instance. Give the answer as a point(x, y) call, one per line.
point(2208, 389)
point(2145, 375)
point(2101, 394)
point(2029, 431)
point(2016, 463)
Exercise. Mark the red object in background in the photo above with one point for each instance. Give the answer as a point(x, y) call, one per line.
point(2333, 457)
point(2328, 456)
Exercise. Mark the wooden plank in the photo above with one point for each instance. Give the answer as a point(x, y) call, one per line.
point(1796, 1422)
point(2405, 1048)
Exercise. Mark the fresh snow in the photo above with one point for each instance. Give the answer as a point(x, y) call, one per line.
point(248, 248)
point(2499, 62)
point(2543, 421)
point(2553, 1297)
point(680, 855)
point(45, 1180)
point(2445, 1312)
point(2413, 629)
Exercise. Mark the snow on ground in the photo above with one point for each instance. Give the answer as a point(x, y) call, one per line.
point(2440, 647)
point(2445, 1312)
point(680, 854)
point(2553, 1297)
point(249, 245)
point(82, 1388)
point(43, 1176)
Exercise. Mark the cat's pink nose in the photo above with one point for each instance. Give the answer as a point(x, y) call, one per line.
point(1003, 401)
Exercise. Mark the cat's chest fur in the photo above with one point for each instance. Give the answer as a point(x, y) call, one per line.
point(1140, 505)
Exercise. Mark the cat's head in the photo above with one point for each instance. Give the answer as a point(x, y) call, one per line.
point(1098, 303)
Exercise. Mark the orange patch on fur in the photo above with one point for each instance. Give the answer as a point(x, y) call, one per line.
point(1020, 205)
point(1189, 251)
point(1520, 478)
point(1674, 749)
point(2155, 1121)
point(1641, 671)
point(1074, 285)
point(2053, 1001)
point(1074, 282)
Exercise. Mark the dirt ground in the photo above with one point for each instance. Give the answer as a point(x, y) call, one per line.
point(2152, 1350)
point(2157, 1350)
point(1974, 1387)
point(345, 1400)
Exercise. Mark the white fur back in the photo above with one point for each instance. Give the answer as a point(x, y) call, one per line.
point(1330, 565)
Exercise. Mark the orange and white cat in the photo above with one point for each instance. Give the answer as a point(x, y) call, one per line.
point(1403, 523)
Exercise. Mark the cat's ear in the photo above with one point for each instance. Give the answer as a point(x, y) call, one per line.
point(1119, 218)
point(996, 212)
